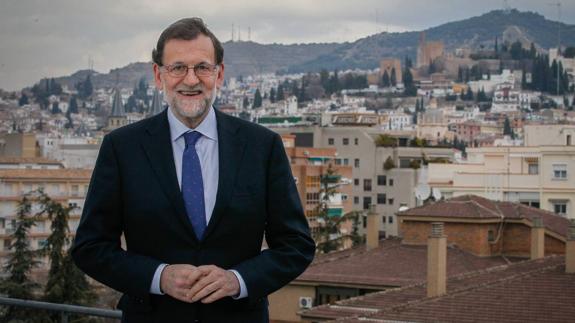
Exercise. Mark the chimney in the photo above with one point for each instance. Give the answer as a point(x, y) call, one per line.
point(436, 261)
point(537, 239)
point(570, 249)
point(372, 228)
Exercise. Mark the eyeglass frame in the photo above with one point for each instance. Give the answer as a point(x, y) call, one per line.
point(168, 69)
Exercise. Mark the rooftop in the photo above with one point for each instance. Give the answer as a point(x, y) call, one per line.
point(475, 207)
point(528, 291)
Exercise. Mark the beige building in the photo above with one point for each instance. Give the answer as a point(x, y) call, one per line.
point(428, 51)
point(372, 184)
point(19, 145)
point(388, 65)
point(539, 176)
point(68, 186)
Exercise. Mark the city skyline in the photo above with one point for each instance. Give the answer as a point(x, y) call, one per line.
point(39, 40)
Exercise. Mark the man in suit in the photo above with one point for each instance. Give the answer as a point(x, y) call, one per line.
point(193, 191)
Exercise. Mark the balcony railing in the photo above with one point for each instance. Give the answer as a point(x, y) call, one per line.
point(64, 309)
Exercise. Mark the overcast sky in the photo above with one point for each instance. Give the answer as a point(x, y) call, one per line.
point(40, 38)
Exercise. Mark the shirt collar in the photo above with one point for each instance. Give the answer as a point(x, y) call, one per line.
point(208, 126)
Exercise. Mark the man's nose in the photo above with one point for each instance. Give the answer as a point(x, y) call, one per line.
point(191, 78)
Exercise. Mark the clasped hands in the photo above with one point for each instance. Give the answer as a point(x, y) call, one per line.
point(190, 284)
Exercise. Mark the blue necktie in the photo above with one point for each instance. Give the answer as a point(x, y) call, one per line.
point(193, 184)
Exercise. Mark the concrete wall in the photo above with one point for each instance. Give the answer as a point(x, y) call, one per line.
point(284, 303)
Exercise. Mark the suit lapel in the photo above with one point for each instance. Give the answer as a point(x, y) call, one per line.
point(231, 151)
point(158, 147)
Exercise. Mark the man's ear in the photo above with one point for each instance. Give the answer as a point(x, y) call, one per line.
point(157, 77)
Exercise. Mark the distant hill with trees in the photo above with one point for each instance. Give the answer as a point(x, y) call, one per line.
point(248, 58)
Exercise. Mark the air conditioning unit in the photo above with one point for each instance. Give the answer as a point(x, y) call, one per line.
point(305, 302)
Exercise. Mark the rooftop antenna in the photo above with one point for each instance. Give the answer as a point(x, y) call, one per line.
point(232, 32)
point(558, 5)
point(239, 33)
point(249, 33)
point(506, 7)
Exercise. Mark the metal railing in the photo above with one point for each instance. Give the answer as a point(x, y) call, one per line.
point(64, 309)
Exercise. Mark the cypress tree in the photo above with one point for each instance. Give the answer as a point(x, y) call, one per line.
point(257, 99)
point(20, 262)
point(66, 283)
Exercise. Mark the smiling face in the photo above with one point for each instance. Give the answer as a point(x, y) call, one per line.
point(190, 97)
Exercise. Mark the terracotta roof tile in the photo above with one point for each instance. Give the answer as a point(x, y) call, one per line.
point(530, 291)
point(46, 173)
point(471, 206)
point(392, 264)
point(527, 291)
point(28, 160)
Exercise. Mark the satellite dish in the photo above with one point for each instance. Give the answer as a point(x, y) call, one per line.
point(422, 192)
point(436, 194)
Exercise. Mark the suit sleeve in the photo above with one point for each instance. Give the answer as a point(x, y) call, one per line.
point(291, 248)
point(97, 247)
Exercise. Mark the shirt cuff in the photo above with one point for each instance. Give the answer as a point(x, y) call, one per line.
point(243, 289)
point(155, 288)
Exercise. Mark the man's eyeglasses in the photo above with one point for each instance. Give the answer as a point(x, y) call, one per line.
point(201, 69)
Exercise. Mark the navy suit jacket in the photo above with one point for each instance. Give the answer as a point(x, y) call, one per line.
point(134, 191)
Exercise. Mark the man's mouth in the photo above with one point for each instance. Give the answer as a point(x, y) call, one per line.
point(189, 93)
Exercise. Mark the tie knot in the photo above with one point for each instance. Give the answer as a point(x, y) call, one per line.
point(191, 138)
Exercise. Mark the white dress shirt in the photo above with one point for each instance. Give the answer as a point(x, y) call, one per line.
point(207, 149)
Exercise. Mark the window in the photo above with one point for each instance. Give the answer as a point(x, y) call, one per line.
point(366, 202)
point(390, 201)
point(345, 161)
point(356, 181)
point(560, 207)
point(356, 163)
point(490, 236)
point(391, 182)
point(390, 219)
point(367, 185)
point(330, 141)
point(560, 171)
point(75, 190)
point(381, 198)
point(356, 141)
point(356, 200)
point(533, 169)
point(364, 221)
point(338, 161)
point(568, 140)
point(345, 141)
point(312, 198)
point(343, 197)
point(312, 182)
point(381, 180)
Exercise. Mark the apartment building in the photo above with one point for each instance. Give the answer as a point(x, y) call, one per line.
point(68, 186)
point(372, 183)
point(539, 176)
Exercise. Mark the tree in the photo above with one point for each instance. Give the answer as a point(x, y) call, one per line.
point(23, 100)
point(328, 236)
point(389, 163)
point(385, 82)
point(507, 127)
point(385, 140)
point(66, 283)
point(73, 105)
point(20, 262)
point(246, 102)
point(257, 99)
point(393, 77)
point(272, 95)
point(410, 89)
point(56, 108)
